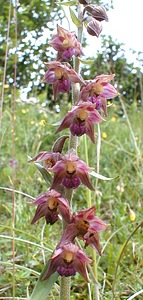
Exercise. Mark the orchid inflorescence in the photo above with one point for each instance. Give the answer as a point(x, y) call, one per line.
point(68, 170)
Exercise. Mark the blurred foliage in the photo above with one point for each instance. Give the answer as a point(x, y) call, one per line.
point(30, 26)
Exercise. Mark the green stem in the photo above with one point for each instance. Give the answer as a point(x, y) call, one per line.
point(66, 281)
point(65, 288)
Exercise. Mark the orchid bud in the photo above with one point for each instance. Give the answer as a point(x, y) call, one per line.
point(94, 27)
point(97, 12)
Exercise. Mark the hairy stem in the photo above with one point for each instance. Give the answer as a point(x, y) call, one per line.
point(65, 288)
point(66, 281)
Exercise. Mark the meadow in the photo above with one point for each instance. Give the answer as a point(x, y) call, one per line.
point(118, 202)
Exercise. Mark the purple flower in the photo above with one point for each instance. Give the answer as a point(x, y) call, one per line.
point(71, 172)
point(81, 120)
point(98, 90)
point(50, 204)
point(49, 158)
point(13, 162)
point(85, 225)
point(60, 75)
point(67, 260)
point(66, 44)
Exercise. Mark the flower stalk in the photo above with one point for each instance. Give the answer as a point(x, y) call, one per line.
point(65, 285)
point(73, 143)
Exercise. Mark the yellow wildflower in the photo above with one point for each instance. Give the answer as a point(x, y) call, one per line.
point(23, 111)
point(42, 123)
point(104, 135)
point(113, 119)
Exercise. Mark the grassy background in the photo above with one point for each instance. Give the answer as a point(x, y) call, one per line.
point(116, 201)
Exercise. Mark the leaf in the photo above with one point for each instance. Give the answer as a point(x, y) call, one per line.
point(94, 174)
point(46, 175)
point(86, 62)
point(43, 287)
point(67, 3)
point(74, 18)
point(57, 123)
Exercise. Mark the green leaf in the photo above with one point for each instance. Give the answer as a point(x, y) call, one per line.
point(67, 3)
point(57, 123)
point(74, 18)
point(46, 175)
point(86, 62)
point(43, 287)
point(94, 174)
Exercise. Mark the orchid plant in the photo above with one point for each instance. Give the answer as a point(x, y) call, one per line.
point(67, 170)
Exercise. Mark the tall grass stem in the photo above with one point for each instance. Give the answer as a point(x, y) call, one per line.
point(130, 128)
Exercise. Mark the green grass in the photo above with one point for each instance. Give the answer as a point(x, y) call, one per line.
point(121, 265)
